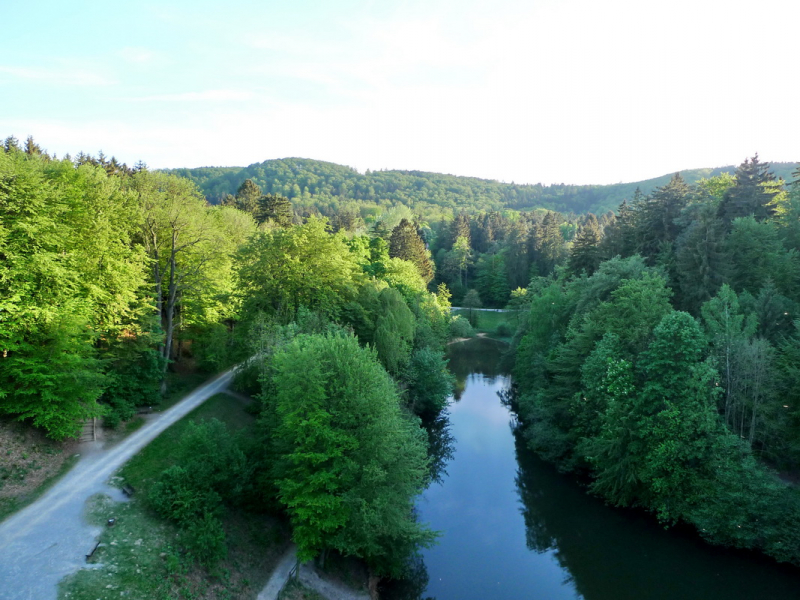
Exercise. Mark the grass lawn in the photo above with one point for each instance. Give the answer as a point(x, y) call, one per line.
point(141, 556)
point(488, 321)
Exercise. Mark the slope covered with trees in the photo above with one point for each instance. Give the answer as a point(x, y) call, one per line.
point(660, 359)
point(657, 352)
point(113, 276)
point(325, 187)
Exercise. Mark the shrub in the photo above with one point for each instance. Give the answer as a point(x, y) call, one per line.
point(179, 497)
point(503, 330)
point(460, 328)
point(205, 539)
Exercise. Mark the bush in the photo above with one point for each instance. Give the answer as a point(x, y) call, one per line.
point(179, 497)
point(503, 330)
point(212, 467)
point(205, 539)
point(460, 328)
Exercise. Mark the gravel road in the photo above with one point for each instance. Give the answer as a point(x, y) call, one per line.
point(49, 539)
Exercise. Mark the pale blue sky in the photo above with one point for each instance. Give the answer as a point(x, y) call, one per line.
point(576, 91)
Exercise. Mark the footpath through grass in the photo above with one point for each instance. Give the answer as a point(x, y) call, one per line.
point(141, 556)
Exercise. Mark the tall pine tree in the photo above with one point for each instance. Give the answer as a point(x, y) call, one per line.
point(406, 243)
point(585, 252)
point(753, 193)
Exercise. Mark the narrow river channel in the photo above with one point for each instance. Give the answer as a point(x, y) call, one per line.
point(514, 528)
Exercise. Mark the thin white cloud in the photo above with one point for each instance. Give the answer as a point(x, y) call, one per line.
point(137, 55)
point(204, 96)
point(65, 75)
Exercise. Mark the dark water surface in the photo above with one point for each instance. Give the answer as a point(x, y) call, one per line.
point(515, 528)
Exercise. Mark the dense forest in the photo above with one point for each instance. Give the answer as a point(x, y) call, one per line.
point(661, 358)
point(111, 276)
point(325, 187)
point(657, 353)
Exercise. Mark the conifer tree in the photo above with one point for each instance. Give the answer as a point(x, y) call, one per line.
point(700, 258)
point(247, 196)
point(657, 225)
point(619, 237)
point(752, 194)
point(551, 243)
point(585, 252)
point(458, 229)
point(406, 243)
point(277, 209)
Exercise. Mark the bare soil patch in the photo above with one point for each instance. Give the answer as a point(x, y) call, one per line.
point(28, 461)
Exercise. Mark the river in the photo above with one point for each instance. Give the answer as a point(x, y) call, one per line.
point(514, 528)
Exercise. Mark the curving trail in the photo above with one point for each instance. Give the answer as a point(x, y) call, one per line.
point(49, 539)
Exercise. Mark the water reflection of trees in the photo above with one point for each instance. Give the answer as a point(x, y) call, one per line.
point(411, 587)
point(441, 444)
point(622, 554)
point(481, 356)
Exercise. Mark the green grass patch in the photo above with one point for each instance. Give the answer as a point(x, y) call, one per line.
point(492, 323)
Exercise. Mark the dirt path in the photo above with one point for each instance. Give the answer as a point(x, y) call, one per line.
point(280, 575)
point(48, 540)
point(326, 588)
point(309, 577)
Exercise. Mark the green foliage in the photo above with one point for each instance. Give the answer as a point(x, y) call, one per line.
point(752, 195)
point(757, 255)
point(503, 329)
point(429, 381)
point(205, 539)
point(210, 468)
point(394, 331)
point(585, 252)
point(701, 260)
point(54, 377)
point(492, 280)
point(281, 270)
point(133, 381)
point(70, 279)
point(275, 209)
point(461, 328)
point(472, 300)
point(322, 185)
point(348, 461)
point(406, 243)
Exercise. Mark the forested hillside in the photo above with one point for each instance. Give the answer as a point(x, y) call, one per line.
point(113, 277)
point(661, 359)
point(313, 184)
point(657, 350)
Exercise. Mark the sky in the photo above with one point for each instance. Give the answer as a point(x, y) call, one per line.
point(569, 91)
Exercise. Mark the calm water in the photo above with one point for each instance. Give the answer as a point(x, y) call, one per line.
point(515, 528)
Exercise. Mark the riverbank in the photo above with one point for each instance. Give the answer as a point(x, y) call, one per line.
point(499, 324)
point(515, 527)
